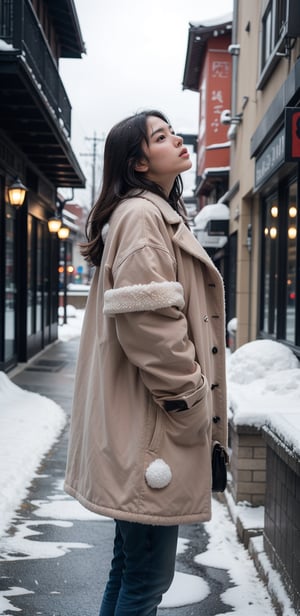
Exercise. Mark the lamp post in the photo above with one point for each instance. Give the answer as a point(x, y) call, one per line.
point(63, 234)
point(55, 225)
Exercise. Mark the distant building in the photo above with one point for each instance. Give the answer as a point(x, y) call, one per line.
point(207, 71)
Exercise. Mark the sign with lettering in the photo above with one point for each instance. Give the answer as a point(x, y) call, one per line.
point(270, 159)
point(292, 133)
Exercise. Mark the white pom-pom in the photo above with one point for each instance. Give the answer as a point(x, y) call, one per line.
point(158, 474)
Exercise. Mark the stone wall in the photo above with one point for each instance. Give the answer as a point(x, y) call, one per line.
point(247, 465)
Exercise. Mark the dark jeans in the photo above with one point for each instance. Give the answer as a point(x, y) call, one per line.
point(142, 569)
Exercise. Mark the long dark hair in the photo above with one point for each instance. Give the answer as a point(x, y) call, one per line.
point(123, 149)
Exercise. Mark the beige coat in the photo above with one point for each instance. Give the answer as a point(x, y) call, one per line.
point(153, 332)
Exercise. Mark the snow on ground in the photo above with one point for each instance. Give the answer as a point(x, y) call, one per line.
point(263, 379)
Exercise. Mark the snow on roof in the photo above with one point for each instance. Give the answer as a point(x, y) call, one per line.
point(213, 21)
point(213, 211)
point(215, 146)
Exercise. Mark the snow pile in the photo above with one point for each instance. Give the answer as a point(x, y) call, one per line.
point(255, 359)
point(71, 329)
point(232, 326)
point(264, 388)
point(29, 424)
point(4, 46)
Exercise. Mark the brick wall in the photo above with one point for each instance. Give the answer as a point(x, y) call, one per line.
point(282, 514)
point(247, 465)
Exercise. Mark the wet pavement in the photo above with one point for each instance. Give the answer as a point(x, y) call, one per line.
point(56, 560)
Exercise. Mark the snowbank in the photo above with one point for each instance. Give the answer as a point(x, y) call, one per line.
point(264, 388)
point(29, 425)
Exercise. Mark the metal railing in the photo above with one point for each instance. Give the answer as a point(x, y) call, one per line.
point(20, 27)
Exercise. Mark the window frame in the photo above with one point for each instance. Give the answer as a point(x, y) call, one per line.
point(278, 11)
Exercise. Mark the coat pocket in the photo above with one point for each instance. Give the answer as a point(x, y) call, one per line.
point(189, 428)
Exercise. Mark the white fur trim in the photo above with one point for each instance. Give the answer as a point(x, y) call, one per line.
point(158, 474)
point(139, 297)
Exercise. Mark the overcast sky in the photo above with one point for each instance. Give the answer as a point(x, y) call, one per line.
point(135, 59)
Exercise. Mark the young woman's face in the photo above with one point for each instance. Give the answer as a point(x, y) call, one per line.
point(166, 155)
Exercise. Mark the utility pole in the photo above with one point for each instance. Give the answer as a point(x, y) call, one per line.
point(94, 154)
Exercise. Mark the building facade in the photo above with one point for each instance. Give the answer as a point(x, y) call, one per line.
point(262, 124)
point(264, 175)
point(35, 129)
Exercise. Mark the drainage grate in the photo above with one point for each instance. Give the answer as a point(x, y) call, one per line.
point(46, 365)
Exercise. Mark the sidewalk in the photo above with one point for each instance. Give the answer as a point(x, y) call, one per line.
point(68, 549)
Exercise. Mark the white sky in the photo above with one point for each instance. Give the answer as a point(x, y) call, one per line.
point(135, 59)
point(256, 391)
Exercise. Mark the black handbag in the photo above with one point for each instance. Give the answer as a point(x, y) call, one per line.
point(219, 467)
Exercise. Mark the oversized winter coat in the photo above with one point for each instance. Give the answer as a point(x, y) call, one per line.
point(152, 340)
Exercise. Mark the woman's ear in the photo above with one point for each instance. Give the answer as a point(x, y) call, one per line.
point(141, 166)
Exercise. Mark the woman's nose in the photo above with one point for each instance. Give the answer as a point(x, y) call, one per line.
point(179, 140)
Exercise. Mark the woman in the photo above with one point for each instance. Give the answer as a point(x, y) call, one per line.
point(150, 387)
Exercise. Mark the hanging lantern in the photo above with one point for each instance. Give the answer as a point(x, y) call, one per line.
point(16, 193)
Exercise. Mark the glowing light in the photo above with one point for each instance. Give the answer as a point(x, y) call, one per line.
point(292, 211)
point(274, 211)
point(292, 233)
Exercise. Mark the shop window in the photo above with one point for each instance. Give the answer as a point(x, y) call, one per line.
point(291, 264)
point(34, 276)
point(280, 264)
point(10, 287)
point(30, 276)
point(270, 281)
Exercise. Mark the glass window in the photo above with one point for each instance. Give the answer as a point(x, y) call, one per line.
point(267, 35)
point(273, 28)
point(280, 299)
point(292, 216)
point(39, 277)
point(280, 18)
point(30, 277)
point(10, 289)
point(270, 280)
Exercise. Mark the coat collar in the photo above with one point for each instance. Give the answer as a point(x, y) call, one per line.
point(183, 237)
point(169, 215)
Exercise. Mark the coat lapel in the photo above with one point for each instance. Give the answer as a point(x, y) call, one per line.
point(182, 237)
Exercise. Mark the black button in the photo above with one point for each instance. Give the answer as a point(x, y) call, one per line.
point(214, 350)
point(216, 419)
point(214, 385)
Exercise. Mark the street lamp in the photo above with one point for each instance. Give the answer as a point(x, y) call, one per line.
point(56, 225)
point(63, 232)
point(16, 193)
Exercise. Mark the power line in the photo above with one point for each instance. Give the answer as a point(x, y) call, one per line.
point(94, 155)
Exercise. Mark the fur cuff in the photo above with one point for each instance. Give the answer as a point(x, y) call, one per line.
point(158, 474)
point(140, 297)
